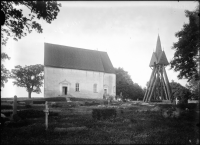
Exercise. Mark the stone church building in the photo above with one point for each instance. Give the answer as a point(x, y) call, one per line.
point(77, 72)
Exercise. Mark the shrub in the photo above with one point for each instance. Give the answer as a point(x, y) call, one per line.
point(91, 103)
point(55, 99)
point(180, 92)
point(182, 106)
point(77, 99)
point(103, 113)
point(38, 102)
point(191, 106)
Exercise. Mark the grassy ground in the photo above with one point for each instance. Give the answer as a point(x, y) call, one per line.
point(130, 126)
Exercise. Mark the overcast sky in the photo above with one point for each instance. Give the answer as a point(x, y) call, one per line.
point(127, 31)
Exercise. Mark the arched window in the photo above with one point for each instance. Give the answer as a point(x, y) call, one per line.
point(95, 88)
point(77, 87)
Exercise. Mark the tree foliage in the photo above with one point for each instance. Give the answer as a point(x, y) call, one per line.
point(180, 92)
point(30, 77)
point(193, 87)
point(126, 86)
point(5, 74)
point(186, 56)
point(17, 25)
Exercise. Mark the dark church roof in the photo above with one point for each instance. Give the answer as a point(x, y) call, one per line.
point(76, 58)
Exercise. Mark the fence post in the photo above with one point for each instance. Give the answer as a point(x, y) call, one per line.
point(46, 114)
point(15, 105)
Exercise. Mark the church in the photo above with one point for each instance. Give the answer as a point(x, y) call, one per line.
point(77, 72)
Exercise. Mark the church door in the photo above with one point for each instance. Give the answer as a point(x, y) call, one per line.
point(64, 90)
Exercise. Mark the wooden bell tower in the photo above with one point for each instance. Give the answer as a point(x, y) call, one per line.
point(158, 88)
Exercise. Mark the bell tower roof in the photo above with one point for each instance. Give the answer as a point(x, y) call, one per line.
point(158, 57)
point(153, 60)
point(158, 47)
point(163, 59)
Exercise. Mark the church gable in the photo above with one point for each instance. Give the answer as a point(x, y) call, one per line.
point(107, 65)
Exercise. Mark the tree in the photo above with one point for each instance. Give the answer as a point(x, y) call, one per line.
point(30, 77)
point(193, 87)
point(5, 74)
point(186, 56)
point(137, 92)
point(126, 86)
point(145, 88)
point(180, 92)
point(17, 25)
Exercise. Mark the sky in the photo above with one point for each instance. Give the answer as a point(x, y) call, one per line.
point(127, 31)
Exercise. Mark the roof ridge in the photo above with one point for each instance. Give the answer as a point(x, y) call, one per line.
point(74, 47)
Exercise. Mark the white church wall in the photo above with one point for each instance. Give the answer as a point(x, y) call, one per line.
point(56, 78)
point(110, 83)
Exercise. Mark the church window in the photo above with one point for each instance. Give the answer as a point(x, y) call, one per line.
point(95, 88)
point(77, 87)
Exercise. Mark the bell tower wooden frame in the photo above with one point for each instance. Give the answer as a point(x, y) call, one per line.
point(158, 87)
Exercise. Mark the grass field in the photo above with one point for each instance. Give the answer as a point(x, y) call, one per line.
point(134, 124)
